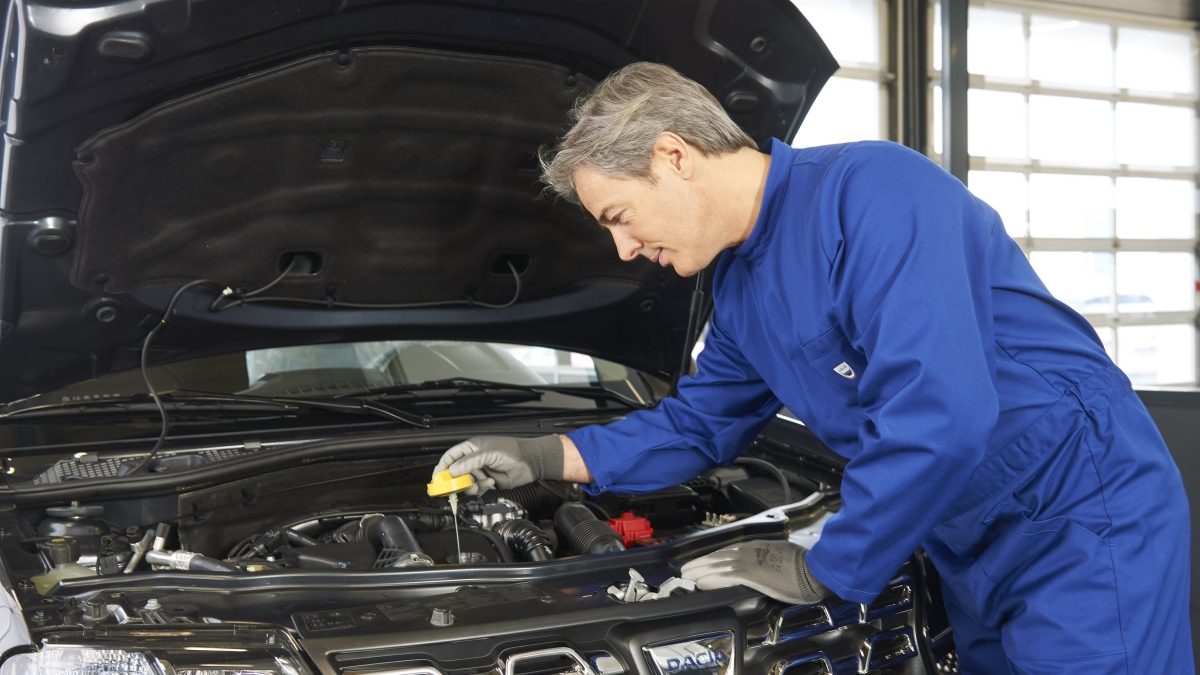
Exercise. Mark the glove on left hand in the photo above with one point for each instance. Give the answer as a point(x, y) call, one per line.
point(773, 568)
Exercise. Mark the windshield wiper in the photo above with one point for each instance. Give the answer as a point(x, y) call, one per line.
point(459, 386)
point(188, 401)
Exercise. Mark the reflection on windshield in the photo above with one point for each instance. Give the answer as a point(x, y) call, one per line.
point(369, 365)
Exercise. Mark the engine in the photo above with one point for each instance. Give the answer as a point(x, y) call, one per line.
point(215, 533)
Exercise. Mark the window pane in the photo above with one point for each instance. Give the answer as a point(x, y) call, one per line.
point(1160, 135)
point(1070, 130)
point(1154, 208)
point(850, 28)
point(1158, 354)
point(995, 124)
point(846, 110)
point(996, 43)
point(1005, 192)
point(1070, 206)
point(1083, 280)
point(1155, 60)
point(1070, 52)
point(1155, 282)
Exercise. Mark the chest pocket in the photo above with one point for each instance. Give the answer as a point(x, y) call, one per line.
point(836, 363)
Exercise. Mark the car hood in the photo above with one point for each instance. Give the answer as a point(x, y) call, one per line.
point(385, 151)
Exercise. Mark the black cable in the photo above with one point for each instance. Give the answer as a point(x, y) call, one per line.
point(783, 481)
point(216, 305)
point(255, 296)
point(162, 411)
point(252, 297)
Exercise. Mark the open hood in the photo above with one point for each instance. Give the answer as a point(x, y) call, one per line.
point(385, 153)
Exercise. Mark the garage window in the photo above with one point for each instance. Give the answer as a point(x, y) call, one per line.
point(853, 104)
point(1082, 134)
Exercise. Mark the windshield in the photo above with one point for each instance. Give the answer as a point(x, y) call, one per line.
point(320, 371)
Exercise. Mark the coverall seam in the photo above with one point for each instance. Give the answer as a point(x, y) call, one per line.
point(1041, 376)
point(1111, 560)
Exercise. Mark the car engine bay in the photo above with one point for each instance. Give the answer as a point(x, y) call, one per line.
point(303, 518)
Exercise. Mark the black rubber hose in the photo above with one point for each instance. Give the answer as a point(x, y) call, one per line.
point(390, 532)
point(584, 532)
point(299, 538)
point(527, 540)
point(428, 520)
point(203, 563)
point(783, 481)
point(534, 497)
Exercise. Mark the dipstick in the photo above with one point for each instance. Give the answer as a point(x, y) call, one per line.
point(445, 485)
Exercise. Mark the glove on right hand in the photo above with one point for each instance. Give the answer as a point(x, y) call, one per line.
point(774, 568)
point(504, 462)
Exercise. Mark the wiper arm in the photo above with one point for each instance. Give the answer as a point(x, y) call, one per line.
point(460, 385)
point(184, 401)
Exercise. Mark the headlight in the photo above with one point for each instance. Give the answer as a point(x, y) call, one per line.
point(162, 652)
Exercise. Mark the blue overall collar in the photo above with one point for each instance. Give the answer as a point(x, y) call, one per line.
point(773, 193)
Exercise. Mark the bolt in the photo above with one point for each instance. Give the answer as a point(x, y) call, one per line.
point(152, 604)
point(39, 618)
point(441, 617)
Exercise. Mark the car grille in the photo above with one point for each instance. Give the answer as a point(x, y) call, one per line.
point(828, 638)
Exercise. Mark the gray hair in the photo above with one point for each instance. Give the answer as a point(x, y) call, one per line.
point(614, 127)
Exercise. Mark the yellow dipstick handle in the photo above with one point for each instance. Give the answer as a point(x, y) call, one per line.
point(444, 484)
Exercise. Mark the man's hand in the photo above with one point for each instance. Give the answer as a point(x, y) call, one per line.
point(504, 462)
point(773, 568)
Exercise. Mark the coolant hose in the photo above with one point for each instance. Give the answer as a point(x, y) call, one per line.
point(585, 533)
point(530, 542)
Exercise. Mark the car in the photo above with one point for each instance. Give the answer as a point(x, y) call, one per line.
point(262, 263)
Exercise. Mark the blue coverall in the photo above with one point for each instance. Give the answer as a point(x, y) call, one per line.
point(887, 307)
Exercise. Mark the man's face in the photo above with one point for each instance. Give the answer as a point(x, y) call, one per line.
point(663, 221)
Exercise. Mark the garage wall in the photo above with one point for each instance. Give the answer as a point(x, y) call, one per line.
point(1177, 414)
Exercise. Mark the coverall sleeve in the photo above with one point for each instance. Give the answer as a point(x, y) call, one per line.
point(714, 415)
point(908, 269)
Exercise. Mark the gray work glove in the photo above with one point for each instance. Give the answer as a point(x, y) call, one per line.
point(504, 462)
point(774, 568)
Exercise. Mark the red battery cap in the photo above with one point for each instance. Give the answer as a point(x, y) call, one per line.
point(632, 528)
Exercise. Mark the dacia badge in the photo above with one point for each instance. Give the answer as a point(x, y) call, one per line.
point(711, 654)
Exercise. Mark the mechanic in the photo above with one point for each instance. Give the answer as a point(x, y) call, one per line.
point(871, 293)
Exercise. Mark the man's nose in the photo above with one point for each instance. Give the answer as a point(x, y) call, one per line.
point(627, 246)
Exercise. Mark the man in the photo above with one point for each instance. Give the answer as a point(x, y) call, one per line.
point(868, 291)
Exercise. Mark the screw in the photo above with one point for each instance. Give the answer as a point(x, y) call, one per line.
point(152, 604)
point(39, 618)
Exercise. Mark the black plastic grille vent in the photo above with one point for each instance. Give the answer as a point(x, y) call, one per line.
point(91, 466)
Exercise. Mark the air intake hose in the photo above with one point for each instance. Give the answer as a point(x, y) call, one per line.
point(389, 532)
point(530, 542)
point(584, 532)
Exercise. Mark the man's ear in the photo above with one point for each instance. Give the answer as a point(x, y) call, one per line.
point(678, 155)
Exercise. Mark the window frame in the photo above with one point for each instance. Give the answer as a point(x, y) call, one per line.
point(1114, 95)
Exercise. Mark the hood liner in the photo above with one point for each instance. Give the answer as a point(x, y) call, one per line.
point(245, 135)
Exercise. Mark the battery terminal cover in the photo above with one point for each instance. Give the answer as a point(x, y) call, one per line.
point(444, 484)
point(633, 529)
